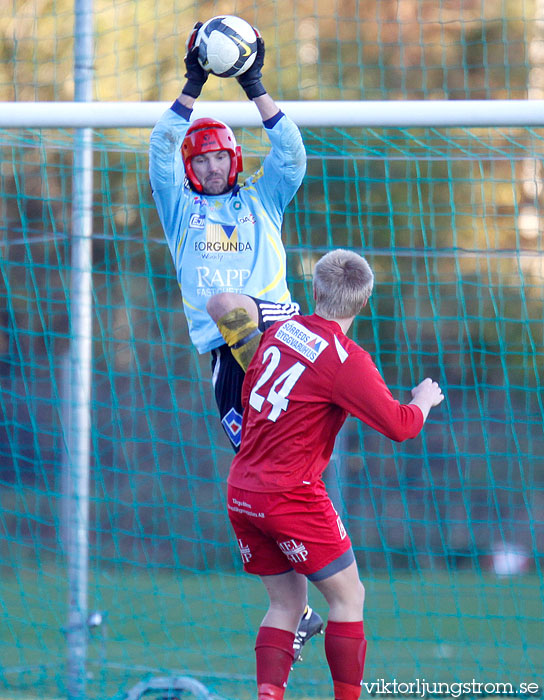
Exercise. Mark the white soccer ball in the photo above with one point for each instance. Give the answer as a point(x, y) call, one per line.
point(227, 46)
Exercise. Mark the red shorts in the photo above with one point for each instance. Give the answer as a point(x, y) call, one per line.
point(297, 529)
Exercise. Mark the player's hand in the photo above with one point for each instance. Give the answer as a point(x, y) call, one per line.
point(195, 74)
point(250, 81)
point(428, 391)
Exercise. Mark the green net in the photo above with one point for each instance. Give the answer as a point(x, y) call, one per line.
point(448, 529)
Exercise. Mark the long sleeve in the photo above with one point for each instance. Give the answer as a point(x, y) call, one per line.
point(360, 389)
point(165, 162)
point(284, 166)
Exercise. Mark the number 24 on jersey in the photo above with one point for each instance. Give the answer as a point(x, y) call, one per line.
point(278, 394)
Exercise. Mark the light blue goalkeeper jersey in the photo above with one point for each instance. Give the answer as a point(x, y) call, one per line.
point(230, 242)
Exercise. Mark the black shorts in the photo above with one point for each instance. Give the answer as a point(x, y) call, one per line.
point(228, 376)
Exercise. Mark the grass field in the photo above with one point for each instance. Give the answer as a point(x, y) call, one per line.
point(448, 627)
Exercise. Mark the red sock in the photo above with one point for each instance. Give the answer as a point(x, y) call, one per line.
point(345, 647)
point(274, 653)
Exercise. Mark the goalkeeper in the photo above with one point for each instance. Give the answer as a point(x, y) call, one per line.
point(225, 239)
point(304, 379)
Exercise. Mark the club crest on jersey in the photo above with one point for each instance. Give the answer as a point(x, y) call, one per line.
point(296, 336)
point(221, 238)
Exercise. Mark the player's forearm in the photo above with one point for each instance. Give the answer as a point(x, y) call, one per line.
point(423, 405)
point(266, 106)
point(186, 100)
point(374, 405)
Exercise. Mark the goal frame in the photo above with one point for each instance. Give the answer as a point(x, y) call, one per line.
point(332, 113)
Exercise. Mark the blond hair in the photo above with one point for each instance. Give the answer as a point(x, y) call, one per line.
point(343, 282)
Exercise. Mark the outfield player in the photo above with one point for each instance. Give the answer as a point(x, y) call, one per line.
point(225, 239)
point(303, 381)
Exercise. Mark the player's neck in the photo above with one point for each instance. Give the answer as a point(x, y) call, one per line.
point(344, 323)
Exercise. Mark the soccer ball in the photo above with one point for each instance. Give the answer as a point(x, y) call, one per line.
point(227, 46)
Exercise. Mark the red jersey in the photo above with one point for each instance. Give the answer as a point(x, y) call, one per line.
point(303, 381)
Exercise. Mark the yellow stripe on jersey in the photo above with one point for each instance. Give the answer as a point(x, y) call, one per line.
point(178, 247)
point(281, 272)
point(194, 308)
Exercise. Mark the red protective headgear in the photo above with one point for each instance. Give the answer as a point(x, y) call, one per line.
point(206, 135)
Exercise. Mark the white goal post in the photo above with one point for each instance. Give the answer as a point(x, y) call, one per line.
point(389, 113)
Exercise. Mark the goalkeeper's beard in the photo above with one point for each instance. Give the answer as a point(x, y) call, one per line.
point(215, 185)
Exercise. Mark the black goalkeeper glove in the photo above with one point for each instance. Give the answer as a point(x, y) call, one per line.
point(196, 75)
point(250, 81)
